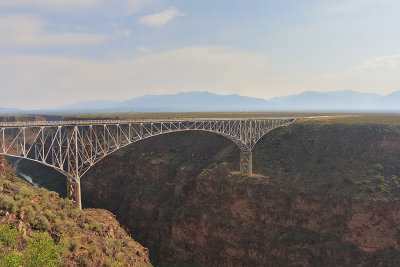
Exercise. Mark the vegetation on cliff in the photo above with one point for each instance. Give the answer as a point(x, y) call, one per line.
point(325, 192)
point(38, 228)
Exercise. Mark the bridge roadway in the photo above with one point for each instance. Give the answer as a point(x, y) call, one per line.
point(73, 147)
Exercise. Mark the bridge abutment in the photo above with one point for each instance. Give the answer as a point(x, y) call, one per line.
point(246, 163)
point(74, 192)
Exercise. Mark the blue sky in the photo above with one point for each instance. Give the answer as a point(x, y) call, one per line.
point(58, 52)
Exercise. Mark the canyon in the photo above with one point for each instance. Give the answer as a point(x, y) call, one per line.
point(323, 193)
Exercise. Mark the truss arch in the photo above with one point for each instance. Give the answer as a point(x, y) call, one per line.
point(73, 147)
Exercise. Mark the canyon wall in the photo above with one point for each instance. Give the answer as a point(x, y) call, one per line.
point(323, 194)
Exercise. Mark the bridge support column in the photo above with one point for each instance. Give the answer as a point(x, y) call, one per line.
point(246, 163)
point(74, 192)
point(2, 163)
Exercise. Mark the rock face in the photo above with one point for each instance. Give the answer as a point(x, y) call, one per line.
point(178, 196)
point(90, 237)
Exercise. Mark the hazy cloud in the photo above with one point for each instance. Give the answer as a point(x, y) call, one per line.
point(162, 18)
point(126, 6)
point(384, 62)
point(351, 5)
point(61, 80)
point(132, 6)
point(49, 4)
point(29, 31)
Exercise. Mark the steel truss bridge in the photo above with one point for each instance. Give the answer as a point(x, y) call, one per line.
point(73, 147)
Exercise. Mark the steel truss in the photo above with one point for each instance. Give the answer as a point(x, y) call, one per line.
point(73, 147)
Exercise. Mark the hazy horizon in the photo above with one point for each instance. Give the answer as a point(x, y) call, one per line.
point(56, 53)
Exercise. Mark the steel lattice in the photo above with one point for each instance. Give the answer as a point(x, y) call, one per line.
point(75, 146)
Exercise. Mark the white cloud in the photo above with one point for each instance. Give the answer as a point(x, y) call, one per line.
point(352, 5)
point(126, 6)
point(132, 6)
point(144, 50)
point(29, 31)
point(49, 4)
point(61, 80)
point(162, 18)
point(379, 63)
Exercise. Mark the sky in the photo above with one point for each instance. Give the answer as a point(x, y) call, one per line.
point(59, 52)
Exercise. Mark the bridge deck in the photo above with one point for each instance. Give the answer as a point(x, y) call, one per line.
point(101, 122)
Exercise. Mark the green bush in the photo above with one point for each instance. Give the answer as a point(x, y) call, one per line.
point(63, 214)
point(74, 213)
point(94, 226)
point(41, 251)
point(7, 184)
point(73, 245)
point(49, 215)
point(8, 203)
point(348, 180)
point(26, 192)
point(66, 203)
point(12, 259)
point(379, 178)
point(370, 189)
point(8, 234)
point(378, 167)
point(29, 213)
point(41, 223)
point(57, 225)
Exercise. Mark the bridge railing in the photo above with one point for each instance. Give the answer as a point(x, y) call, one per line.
point(89, 122)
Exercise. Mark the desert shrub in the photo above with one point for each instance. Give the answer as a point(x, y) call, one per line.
point(74, 213)
point(26, 192)
point(112, 245)
point(380, 187)
point(65, 203)
point(8, 203)
point(370, 171)
point(378, 167)
point(22, 202)
point(29, 213)
point(172, 149)
point(54, 194)
point(49, 215)
point(41, 251)
point(94, 252)
point(57, 225)
point(41, 223)
point(86, 226)
point(63, 215)
point(36, 206)
point(379, 178)
point(348, 180)
point(370, 189)
point(7, 184)
point(8, 234)
point(11, 259)
point(73, 245)
point(51, 205)
point(94, 226)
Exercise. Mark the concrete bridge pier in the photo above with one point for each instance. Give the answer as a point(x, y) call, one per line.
point(246, 162)
point(74, 192)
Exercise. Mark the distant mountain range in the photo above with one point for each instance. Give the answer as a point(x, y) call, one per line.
point(206, 101)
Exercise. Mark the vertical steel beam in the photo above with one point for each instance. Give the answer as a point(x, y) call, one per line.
point(246, 163)
point(74, 192)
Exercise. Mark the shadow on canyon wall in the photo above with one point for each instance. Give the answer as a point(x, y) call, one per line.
point(323, 194)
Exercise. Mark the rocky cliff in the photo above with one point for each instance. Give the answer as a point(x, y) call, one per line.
point(37, 228)
point(326, 193)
